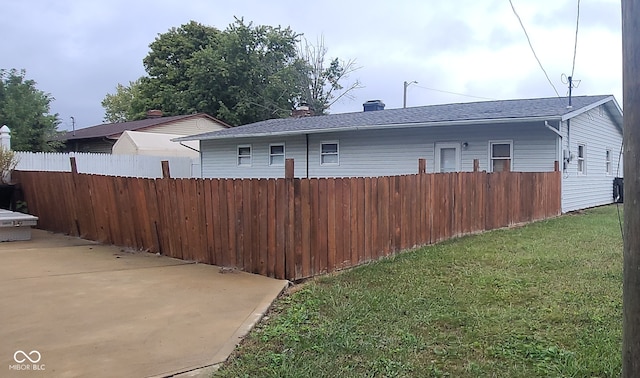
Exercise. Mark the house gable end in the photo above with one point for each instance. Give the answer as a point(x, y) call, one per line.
point(609, 104)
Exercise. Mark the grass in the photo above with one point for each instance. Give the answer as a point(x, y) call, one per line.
point(544, 300)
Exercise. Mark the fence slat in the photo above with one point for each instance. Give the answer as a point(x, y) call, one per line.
point(271, 228)
point(281, 230)
point(322, 247)
point(297, 228)
point(345, 255)
point(331, 224)
point(305, 234)
point(263, 223)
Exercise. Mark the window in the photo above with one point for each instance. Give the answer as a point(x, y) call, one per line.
point(244, 155)
point(607, 162)
point(276, 154)
point(581, 159)
point(500, 156)
point(329, 153)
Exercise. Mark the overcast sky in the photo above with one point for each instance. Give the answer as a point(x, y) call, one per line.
point(79, 50)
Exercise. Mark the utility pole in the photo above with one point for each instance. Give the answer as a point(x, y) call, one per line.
point(570, 88)
point(631, 140)
point(406, 84)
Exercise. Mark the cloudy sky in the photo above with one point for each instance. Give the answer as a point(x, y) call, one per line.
point(79, 50)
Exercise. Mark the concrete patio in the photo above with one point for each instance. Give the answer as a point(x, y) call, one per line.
point(93, 310)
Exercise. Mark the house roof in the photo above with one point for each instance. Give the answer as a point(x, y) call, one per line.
point(503, 111)
point(115, 129)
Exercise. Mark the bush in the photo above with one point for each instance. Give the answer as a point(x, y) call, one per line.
point(8, 162)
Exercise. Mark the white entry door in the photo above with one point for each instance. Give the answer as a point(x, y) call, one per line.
point(447, 157)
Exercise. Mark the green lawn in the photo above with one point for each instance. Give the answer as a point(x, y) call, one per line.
point(543, 300)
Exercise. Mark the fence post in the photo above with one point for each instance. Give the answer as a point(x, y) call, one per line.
point(422, 166)
point(74, 178)
point(556, 166)
point(288, 168)
point(5, 143)
point(289, 254)
point(5, 137)
point(165, 169)
point(476, 165)
point(74, 166)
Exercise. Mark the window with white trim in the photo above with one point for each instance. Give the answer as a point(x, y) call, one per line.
point(582, 164)
point(607, 162)
point(276, 154)
point(244, 155)
point(329, 153)
point(500, 155)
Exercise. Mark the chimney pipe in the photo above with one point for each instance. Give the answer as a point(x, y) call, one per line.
point(373, 105)
point(303, 110)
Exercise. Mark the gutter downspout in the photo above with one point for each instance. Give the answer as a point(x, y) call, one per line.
point(306, 137)
point(560, 157)
point(569, 135)
point(548, 126)
point(559, 134)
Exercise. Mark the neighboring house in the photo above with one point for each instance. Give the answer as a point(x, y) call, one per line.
point(528, 135)
point(155, 144)
point(101, 138)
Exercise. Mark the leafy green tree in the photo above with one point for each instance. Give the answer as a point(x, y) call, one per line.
point(25, 110)
point(168, 85)
point(248, 75)
point(241, 75)
point(321, 84)
point(127, 104)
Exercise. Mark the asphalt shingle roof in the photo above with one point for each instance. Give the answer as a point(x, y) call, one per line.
point(551, 108)
point(109, 129)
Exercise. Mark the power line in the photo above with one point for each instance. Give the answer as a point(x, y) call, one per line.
point(532, 50)
point(575, 45)
point(454, 93)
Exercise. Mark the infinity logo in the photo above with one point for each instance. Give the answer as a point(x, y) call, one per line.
point(26, 356)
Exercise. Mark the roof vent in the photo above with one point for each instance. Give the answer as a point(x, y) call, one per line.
point(373, 105)
point(154, 113)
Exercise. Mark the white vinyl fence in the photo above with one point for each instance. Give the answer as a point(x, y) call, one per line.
point(107, 164)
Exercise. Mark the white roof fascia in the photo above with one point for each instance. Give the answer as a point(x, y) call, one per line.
point(376, 127)
point(585, 109)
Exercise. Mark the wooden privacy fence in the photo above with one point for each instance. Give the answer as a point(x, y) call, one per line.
point(286, 228)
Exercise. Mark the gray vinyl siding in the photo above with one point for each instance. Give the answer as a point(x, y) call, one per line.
point(383, 152)
point(597, 132)
point(220, 157)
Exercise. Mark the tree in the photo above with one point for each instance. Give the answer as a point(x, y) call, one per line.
point(320, 84)
point(168, 86)
point(126, 104)
point(249, 75)
point(241, 75)
point(25, 109)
